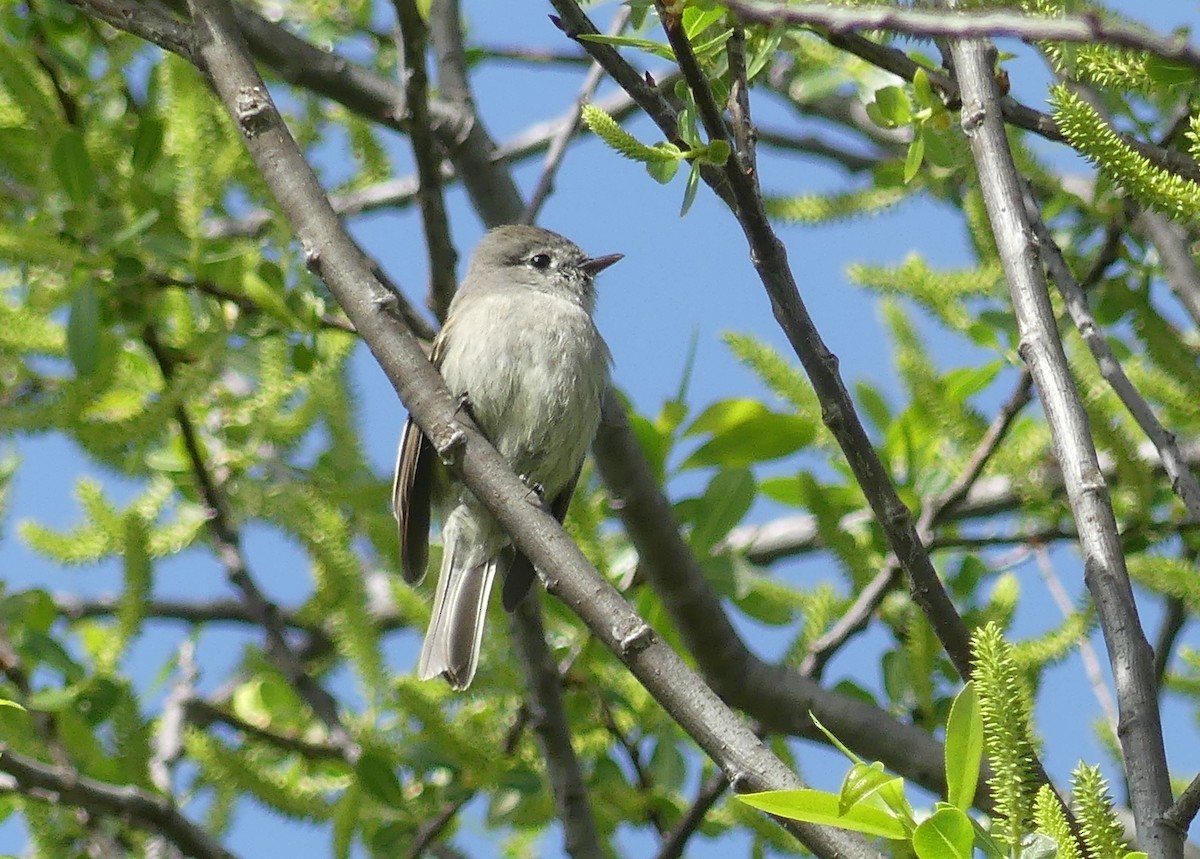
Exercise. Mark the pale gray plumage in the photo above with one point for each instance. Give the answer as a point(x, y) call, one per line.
point(520, 346)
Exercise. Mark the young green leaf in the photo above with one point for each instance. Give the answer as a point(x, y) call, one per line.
point(378, 779)
point(817, 806)
point(964, 748)
point(83, 330)
point(947, 834)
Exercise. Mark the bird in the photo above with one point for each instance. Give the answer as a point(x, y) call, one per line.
point(521, 351)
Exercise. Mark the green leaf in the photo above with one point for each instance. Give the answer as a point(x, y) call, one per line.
point(662, 172)
point(873, 403)
point(893, 106)
point(667, 766)
point(4, 702)
point(377, 778)
point(915, 156)
point(947, 834)
point(964, 748)
point(717, 152)
point(817, 806)
point(871, 784)
point(71, 165)
point(697, 19)
point(923, 91)
point(659, 49)
point(689, 191)
point(83, 330)
point(744, 431)
point(1168, 72)
point(726, 500)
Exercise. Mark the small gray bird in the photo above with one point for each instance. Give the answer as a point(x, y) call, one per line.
point(520, 348)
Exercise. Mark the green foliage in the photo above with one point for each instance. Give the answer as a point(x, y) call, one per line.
point(829, 208)
point(179, 353)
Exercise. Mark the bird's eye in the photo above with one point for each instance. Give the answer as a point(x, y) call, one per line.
point(540, 261)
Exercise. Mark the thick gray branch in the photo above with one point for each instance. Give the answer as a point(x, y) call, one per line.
point(1105, 573)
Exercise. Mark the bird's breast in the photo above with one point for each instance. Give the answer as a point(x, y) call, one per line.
point(533, 368)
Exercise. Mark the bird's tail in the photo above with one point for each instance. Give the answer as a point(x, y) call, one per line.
point(459, 608)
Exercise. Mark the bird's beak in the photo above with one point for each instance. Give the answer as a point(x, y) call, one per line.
point(595, 265)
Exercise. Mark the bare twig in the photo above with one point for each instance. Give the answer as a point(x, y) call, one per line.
point(933, 511)
point(149, 811)
point(1129, 652)
point(149, 21)
point(675, 840)
point(552, 729)
point(442, 256)
point(494, 194)
point(1179, 267)
point(203, 713)
point(433, 827)
point(966, 24)
point(569, 128)
point(793, 535)
point(227, 544)
point(1183, 482)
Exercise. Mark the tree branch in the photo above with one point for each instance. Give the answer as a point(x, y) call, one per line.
point(146, 810)
point(227, 545)
point(1086, 28)
point(1183, 482)
point(443, 259)
point(1129, 652)
point(552, 729)
point(715, 728)
point(933, 511)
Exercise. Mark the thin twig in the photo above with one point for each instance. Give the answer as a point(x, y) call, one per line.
point(1086, 28)
point(227, 545)
point(1091, 662)
point(1183, 482)
point(443, 258)
point(146, 810)
point(202, 713)
point(569, 128)
point(675, 840)
point(933, 511)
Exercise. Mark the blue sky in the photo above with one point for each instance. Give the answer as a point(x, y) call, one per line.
point(681, 279)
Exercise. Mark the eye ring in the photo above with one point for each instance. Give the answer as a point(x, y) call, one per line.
point(540, 261)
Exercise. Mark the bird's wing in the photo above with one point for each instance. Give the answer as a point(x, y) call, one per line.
point(412, 489)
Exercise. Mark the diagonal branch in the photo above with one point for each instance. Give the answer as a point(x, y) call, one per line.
point(716, 729)
point(146, 810)
point(933, 511)
point(227, 544)
point(837, 409)
point(1183, 482)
